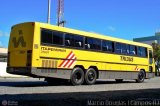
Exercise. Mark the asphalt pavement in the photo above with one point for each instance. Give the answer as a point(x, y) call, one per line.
point(37, 92)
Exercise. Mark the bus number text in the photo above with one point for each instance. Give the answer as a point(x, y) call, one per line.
point(126, 58)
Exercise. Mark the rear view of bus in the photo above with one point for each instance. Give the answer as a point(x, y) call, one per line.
point(20, 49)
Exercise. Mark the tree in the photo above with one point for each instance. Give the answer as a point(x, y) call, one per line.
point(156, 55)
point(156, 52)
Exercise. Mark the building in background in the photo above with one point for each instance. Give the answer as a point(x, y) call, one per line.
point(150, 39)
point(3, 54)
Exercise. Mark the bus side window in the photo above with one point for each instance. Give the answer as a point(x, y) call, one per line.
point(127, 49)
point(74, 40)
point(118, 48)
point(132, 50)
point(87, 46)
point(46, 36)
point(94, 44)
point(78, 41)
point(139, 52)
point(124, 48)
point(57, 38)
point(107, 46)
point(142, 52)
point(69, 40)
point(51, 37)
point(88, 42)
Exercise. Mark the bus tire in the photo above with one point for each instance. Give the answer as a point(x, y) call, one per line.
point(77, 76)
point(119, 80)
point(141, 76)
point(90, 76)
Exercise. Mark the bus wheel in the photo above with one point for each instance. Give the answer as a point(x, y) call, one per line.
point(141, 76)
point(119, 80)
point(90, 76)
point(77, 76)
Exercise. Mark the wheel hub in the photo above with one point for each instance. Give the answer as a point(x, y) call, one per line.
point(91, 76)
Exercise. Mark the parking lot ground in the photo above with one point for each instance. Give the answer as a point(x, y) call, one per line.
point(29, 91)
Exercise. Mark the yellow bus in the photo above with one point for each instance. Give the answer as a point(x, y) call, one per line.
point(53, 52)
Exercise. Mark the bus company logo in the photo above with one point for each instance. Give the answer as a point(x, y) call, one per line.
point(69, 61)
point(20, 40)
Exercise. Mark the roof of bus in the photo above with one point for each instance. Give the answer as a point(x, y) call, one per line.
point(90, 34)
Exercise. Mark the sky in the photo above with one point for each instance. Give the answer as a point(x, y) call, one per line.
point(126, 19)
